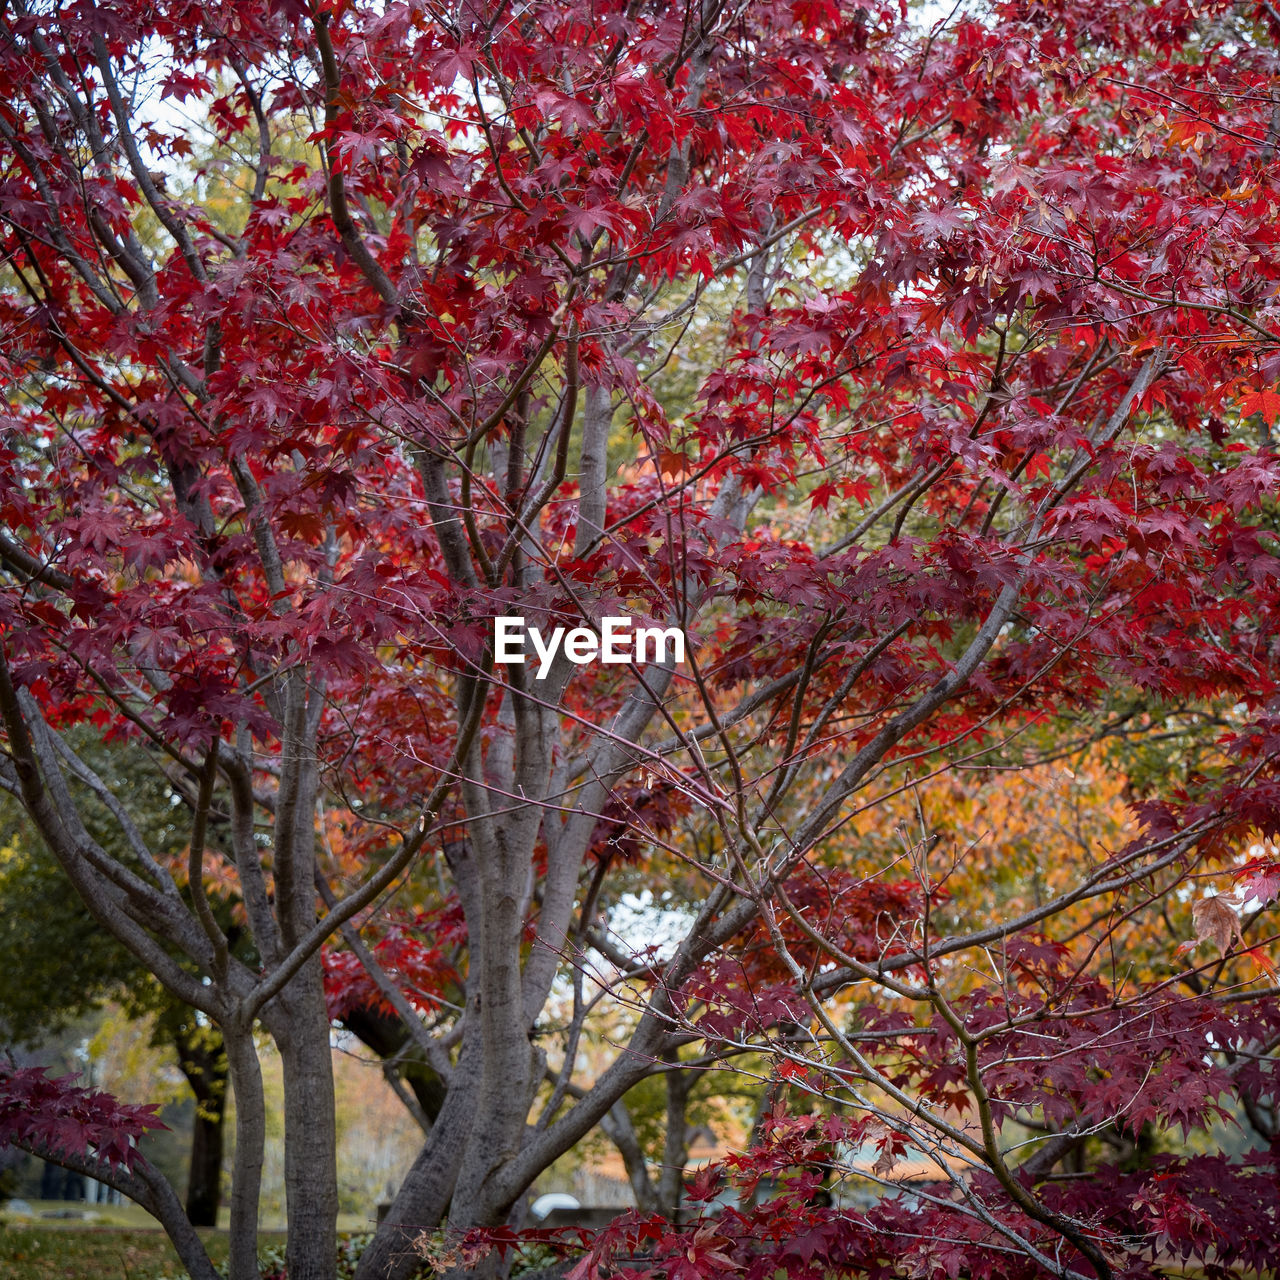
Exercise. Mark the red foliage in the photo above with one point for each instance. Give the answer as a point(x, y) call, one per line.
point(411, 953)
point(931, 378)
point(61, 1117)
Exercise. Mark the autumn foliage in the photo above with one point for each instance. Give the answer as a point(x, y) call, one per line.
point(920, 367)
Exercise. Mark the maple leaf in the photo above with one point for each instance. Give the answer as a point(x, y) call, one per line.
point(822, 494)
point(938, 224)
point(1265, 401)
point(1259, 879)
point(672, 462)
point(1217, 920)
point(885, 1163)
point(888, 1145)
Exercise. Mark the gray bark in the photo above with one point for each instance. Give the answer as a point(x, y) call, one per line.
point(597, 418)
point(246, 1172)
point(297, 1018)
point(675, 1151)
point(424, 1195)
point(310, 1135)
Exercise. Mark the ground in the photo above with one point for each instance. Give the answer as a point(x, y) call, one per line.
point(49, 1251)
point(103, 1242)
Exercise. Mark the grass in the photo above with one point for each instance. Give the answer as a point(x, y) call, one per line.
point(122, 1242)
point(116, 1242)
point(98, 1242)
point(79, 1251)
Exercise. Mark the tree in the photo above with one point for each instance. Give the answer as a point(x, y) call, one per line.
point(983, 329)
point(61, 964)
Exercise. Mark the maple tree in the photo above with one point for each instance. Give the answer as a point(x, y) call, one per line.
point(923, 375)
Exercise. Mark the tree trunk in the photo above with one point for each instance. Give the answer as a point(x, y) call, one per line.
point(246, 1175)
point(310, 1130)
point(675, 1152)
point(297, 1017)
point(385, 1034)
point(506, 1055)
point(203, 1060)
point(204, 1178)
point(617, 1127)
point(427, 1189)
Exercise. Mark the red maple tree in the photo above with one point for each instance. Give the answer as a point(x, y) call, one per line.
point(922, 375)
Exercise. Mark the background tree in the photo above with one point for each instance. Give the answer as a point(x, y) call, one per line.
point(995, 296)
point(62, 964)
